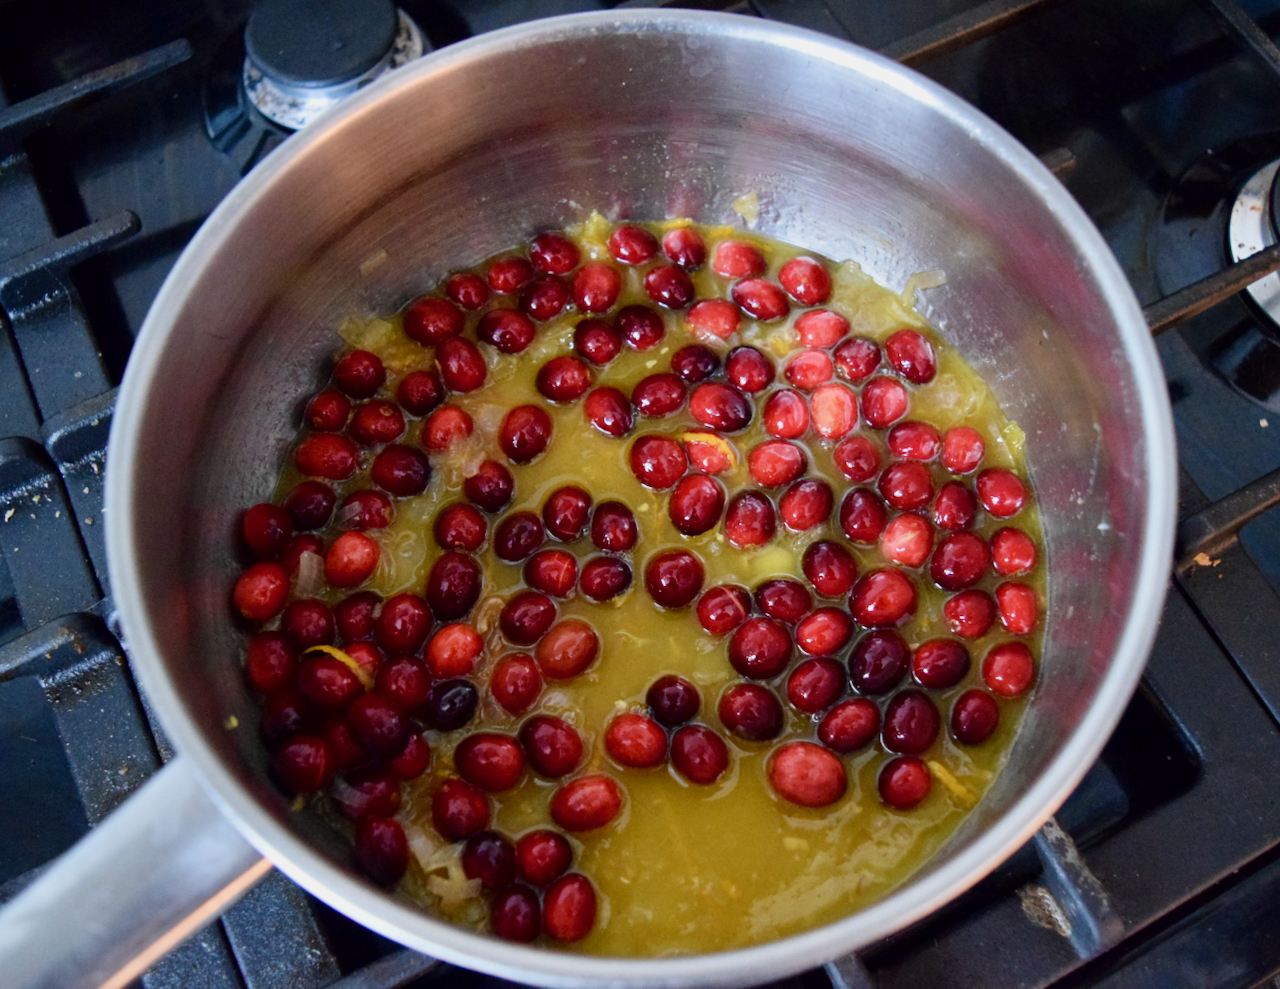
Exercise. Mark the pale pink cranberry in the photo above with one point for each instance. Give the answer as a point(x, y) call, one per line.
point(509, 275)
point(808, 369)
point(716, 318)
point(906, 485)
point(824, 632)
point(748, 369)
point(669, 286)
point(685, 247)
point(597, 341)
point(805, 504)
point(970, 614)
point(563, 379)
point(911, 356)
point(884, 402)
point(431, 319)
point(849, 725)
point(856, 359)
point(962, 449)
point(857, 458)
point(1001, 492)
point(720, 407)
point(659, 395)
point(760, 299)
point(830, 568)
point(468, 290)
point(1012, 552)
point(750, 711)
point(883, 599)
point(940, 663)
point(696, 504)
point(955, 507)
point(807, 774)
point(821, 328)
point(776, 462)
point(734, 259)
point(835, 411)
point(658, 462)
point(974, 716)
point(914, 441)
point(608, 410)
point(442, 430)
point(904, 782)
point(863, 516)
point(906, 540)
point(806, 281)
point(1019, 608)
point(596, 287)
point(553, 253)
point(462, 365)
point(641, 327)
point(723, 608)
point(783, 599)
point(632, 245)
point(786, 414)
point(749, 520)
point(511, 332)
point(959, 561)
point(815, 685)
point(1009, 669)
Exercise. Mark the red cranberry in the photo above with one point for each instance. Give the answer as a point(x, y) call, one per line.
point(906, 485)
point(446, 427)
point(381, 849)
point(760, 299)
point(563, 379)
point(914, 441)
point(552, 571)
point(760, 648)
point(940, 663)
point(419, 392)
point(714, 318)
point(685, 247)
point(857, 459)
point(723, 608)
point(674, 578)
point(431, 319)
point(551, 745)
point(366, 509)
point(906, 540)
point(824, 631)
point(658, 395)
point(696, 504)
point(849, 725)
point(468, 290)
point(863, 516)
point(378, 726)
point(1009, 669)
point(261, 591)
point(569, 908)
point(507, 331)
point(543, 856)
point(586, 803)
point(749, 520)
point(461, 527)
point(303, 764)
point(970, 613)
point(669, 286)
point(830, 568)
point(835, 411)
point(709, 453)
point(658, 461)
point(815, 685)
point(974, 716)
point(597, 341)
point(911, 356)
point(525, 433)
point(413, 761)
point(734, 259)
point(785, 600)
point(883, 599)
point(959, 561)
point(751, 712)
point(1019, 608)
point(641, 327)
point(543, 299)
point(308, 622)
point(776, 462)
point(403, 624)
point(904, 782)
point(401, 471)
point(910, 723)
point(490, 487)
point(553, 253)
point(516, 682)
point(748, 369)
point(366, 655)
point(566, 512)
point(459, 809)
point(515, 914)
point(635, 741)
point(806, 504)
point(270, 662)
point(360, 374)
point(694, 363)
point(454, 584)
point(808, 369)
point(962, 449)
point(807, 774)
point(287, 713)
point(720, 407)
point(526, 617)
point(334, 458)
point(672, 700)
point(451, 704)
point(821, 328)
point(491, 858)
point(517, 536)
point(596, 287)
point(267, 530)
point(328, 682)
point(609, 411)
point(462, 366)
point(604, 578)
point(490, 761)
point(404, 681)
point(884, 402)
point(1001, 492)
point(509, 275)
point(699, 754)
point(1012, 552)
point(879, 662)
point(347, 756)
point(328, 411)
point(567, 650)
point(632, 245)
point(955, 507)
point(856, 359)
point(613, 527)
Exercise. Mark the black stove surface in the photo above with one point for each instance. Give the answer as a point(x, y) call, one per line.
point(123, 131)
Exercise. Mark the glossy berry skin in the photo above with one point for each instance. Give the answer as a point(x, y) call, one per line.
point(962, 449)
point(526, 617)
point(462, 365)
point(959, 561)
point(517, 536)
point(354, 615)
point(431, 319)
point(735, 259)
point(404, 681)
point(694, 363)
point(849, 725)
point(604, 578)
point(609, 411)
point(748, 369)
point(551, 745)
point(1012, 552)
point(658, 462)
point(413, 761)
point(509, 275)
point(597, 341)
point(1019, 607)
point(491, 761)
point(829, 568)
point(543, 856)
point(468, 290)
point(1009, 669)
point(904, 782)
point(1001, 492)
point(351, 559)
point(613, 527)
point(308, 622)
point(632, 245)
point(856, 359)
point(751, 712)
point(563, 379)
point(857, 458)
point(491, 858)
point(516, 682)
point(335, 458)
point(446, 427)
point(287, 713)
point(451, 704)
point(914, 441)
point(760, 299)
point(635, 741)
point(808, 369)
point(359, 374)
point(261, 591)
point(879, 662)
point(720, 407)
point(403, 624)
point(490, 487)
point(641, 327)
point(454, 585)
point(270, 662)
point(834, 411)
point(910, 723)
point(906, 540)
point(298, 547)
point(672, 700)
point(863, 516)
point(674, 578)
point(709, 453)
point(815, 685)
point(970, 613)
point(786, 414)
point(824, 632)
point(515, 914)
point(786, 600)
point(461, 527)
point(382, 850)
point(749, 521)
point(459, 809)
point(685, 247)
point(974, 716)
point(378, 726)
point(658, 395)
point(806, 504)
point(806, 281)
point(542, 299)
point(566, 512)
point(419, 392)
point(883, 599)
point(955, 507)
point(525, 433)
point(699, 754)
point(884, 402)
point(401, 471)
point(303, 764)
point(553, 253)
point(760, 648)
point(569, 908)
point(328, 411)
point(552, 571)
point(714, 319)
point(586, 803)
point(567, 650)
point(366, 509)
point(807, 774)
point(696, 504)
point(776, 463)
point(669, 287)
point(266, 530)
point(911, 356)
point(940, 663)
point(821, 328)
point(906, 485)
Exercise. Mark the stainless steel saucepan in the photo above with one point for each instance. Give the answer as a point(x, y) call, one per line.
point(643, 114)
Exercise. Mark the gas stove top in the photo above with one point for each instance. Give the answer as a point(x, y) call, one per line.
point(121, 127)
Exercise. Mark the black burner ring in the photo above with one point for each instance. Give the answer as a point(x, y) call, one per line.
point(319, 42)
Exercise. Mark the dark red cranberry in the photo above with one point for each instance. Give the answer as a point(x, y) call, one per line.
point(404, 681)
point(658, 461)
point(334, 458)
point(806, 504)
point(491, 761)
point(863, 516)
point(567, 650)
point(815, 685)
point(720, 407)
point(806, 281)
point(830, 568)
point(673, 700)
point(262, 590)
point(308, 622)
point(696, 504)
point(569, 908)
point(328, 411)
point(959, 561)
point(526, 617)
point(694, 363)
point(403, 624)
point(366, 509)
point(543, 856)
point(735, 259)
point(459, 809)
point(507, 331)
point(632, 245)
point(760, 648)
point(669, 286)
point(723, 608)
point(552, 571)
point(367, 792)
point(940, 663)
point(849, 725)
point(857, 459)
point(879, 662)
point(270, 662)
point(955, 507)
point(635, 741)
point(491, 858)
point(525, 433)
point(962, 449)
point(285, 714)
point(1012, 552)
point(658, 395)
point(910, 723)
point(516, 682)
point(566, 512)
point(748, 369)
point(911, 356)
point(517, 536)
point(699, 754)
point(468, 290)
point(413, 761)
point(451, 704)
point(563, 379)
point(328, 682)
point(453, 586)
point(378, 726)
point(346, 751)
point(641, 328)
point(749, 520)
point(515, 914)
point(553, 253)
point(834, 411)
point(906, 485)
point(613, 527)
point(808, 369)
point(597, 341)
point(432, 319)
point(360, 374)
point(462, 366)
point(907, 540)
point(381, 849)
point(855, 359)
point(608, 410)
point(303, 764)
point(807, 774)
point(786, 600)
point(509, 275)
point(751, 712)
point(401, 471)
point(543, 298)
point(685, 247)
point(674, 578)
point(883, 599)
point(461, 526)
point(974, 716)
point(490, 487)
point(596, 287)
point(1009, 669)
point(775, 463)
point(1001, 492)
point(604, 578)
point(551, 745)
point(914, 441)
point(824, 631)
point(760, 299)
point(970, 614)
point(821, 328)
point(266, 529)
point(884, 402)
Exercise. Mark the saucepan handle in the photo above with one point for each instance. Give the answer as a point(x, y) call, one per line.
point(156, 870)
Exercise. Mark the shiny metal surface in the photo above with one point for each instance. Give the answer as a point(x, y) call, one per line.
point(640, 114)
point(1250, 229)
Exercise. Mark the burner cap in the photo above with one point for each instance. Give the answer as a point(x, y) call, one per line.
point(319, 42)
